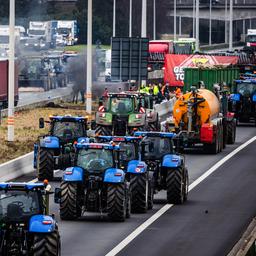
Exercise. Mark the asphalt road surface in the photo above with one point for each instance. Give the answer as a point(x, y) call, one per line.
point(210, 223)
point(26, 98)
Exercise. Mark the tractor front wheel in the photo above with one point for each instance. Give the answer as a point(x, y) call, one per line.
point(117, 202)
point(70, 203)
point(139, 193)
point(45, 165)
point(177, 183)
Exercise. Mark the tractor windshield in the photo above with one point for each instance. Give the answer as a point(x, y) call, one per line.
point(95, 159)
point(121, 105)
point(156, 148)
point(127, 152)
point(68, 130)
point(16, 205)
point(246, 89)
point(251, 38)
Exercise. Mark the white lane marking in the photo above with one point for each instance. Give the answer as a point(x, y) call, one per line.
point(36, 179)
point(166, 207)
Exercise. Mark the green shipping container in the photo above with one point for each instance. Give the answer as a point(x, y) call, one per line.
point(209, 76)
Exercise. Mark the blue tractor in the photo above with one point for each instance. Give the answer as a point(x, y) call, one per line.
point(141, 180)
point(26, 228)
point(168, 167)
point(96, 183)
point(243, 100)
point(56, 149)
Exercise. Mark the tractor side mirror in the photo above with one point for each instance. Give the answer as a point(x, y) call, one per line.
point(57, 195)
point(41, 123)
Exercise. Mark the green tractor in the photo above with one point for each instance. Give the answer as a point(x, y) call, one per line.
point(120, 114)
point(123, 113)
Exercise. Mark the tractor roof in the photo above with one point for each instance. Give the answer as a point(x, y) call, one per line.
point(120, 138)
point(68, 118)
point(85, 145)
point(249, 81)
point(156, 134)
point(21, 186)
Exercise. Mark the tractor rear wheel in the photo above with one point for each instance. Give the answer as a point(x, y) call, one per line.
point(47, 244)
point(139, 193)
point(117, 202)
point(231, 132)
point(45, 165)
point(70, 203)
point(176, 187)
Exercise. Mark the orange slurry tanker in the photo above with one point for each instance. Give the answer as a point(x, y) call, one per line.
point(201, 118)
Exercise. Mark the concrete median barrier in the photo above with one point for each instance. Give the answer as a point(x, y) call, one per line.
point(16, 167)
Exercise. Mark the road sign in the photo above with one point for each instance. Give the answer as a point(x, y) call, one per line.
point(129, 59)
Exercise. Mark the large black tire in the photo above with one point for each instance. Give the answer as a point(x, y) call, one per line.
point(139, 193)
point(47, 244)
point(103, 130)
point(70, 203)
point(175, 183)
point(186, 182)
point(116, 202)
point(214, 147)
point(231, 132)
point(45, 164)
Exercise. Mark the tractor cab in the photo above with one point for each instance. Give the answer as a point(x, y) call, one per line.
point(66, 128)
point(97, 157)
point(25, 221)
point(129, 147)
point(243, 100)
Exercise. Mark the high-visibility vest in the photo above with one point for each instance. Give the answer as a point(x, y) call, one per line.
point(155, 90)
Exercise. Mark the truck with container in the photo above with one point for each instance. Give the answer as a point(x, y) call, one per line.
point(45, 32)
point(242, 101)
point(67, 32)
point(201, 118)
point(4, 78)
point(4, 37)
point(95, 183)
point(27, 228)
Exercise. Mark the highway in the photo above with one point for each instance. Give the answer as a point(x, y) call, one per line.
point(227, 194)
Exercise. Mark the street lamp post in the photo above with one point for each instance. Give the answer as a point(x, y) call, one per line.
point(194, 14)
point(197, 25)
point(154, 19)
point(210, 24)
point(144, 19)
point(89, 59)
point(174, 20)
point(11, 75)
point(130, 19)
point(114, 18)
point(226, 23)
point(231, 25)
